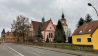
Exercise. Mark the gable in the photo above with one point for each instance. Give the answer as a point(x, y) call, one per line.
point(50, 26)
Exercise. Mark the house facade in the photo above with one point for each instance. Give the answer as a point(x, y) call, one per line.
point(7, 37)
point(48, 28)
point(87, 34)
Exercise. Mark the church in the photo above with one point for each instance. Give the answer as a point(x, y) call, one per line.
point(48, 28)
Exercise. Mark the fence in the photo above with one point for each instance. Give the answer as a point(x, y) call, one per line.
point(65, 46)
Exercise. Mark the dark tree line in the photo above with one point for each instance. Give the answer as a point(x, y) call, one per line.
point(82, 21)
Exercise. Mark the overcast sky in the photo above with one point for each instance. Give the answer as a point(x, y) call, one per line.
point(34, 10)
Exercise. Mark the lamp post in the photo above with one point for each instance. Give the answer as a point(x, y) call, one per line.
point(89, 4)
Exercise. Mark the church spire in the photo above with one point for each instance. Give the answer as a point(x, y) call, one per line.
point(3, 30)
point(62, 17)
point(43, 19)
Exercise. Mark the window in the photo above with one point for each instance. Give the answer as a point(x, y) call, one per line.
point(78, 39)
point(88, 39)
point(51, 35)
point(80, 32)
point(50, 27)
point(89, 30)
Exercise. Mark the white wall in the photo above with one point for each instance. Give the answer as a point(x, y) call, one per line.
point(50, 25)
point(66, 32)
point(42, 34)
point(49, 31)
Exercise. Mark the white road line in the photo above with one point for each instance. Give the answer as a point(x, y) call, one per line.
point(14, 50)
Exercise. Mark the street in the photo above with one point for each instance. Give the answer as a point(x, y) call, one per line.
point(10, 49)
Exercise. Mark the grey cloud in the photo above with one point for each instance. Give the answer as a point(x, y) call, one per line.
point(34, 10)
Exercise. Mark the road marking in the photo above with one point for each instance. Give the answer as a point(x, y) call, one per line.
point(14, 50)
point(39, 52)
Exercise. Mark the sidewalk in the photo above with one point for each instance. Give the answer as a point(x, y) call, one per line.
point(77, 53)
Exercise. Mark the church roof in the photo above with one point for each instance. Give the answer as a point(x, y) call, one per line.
point(54, 26)
point(44, 25)
point(7, 33)
point(36, 25)
point(87, 28)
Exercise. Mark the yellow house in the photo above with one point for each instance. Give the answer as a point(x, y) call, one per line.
point(87, 34)
point(7, 37)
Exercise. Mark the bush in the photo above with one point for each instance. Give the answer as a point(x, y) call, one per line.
point(70, 39)
point(47, 40)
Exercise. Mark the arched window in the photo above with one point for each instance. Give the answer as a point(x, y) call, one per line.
point(49, 35)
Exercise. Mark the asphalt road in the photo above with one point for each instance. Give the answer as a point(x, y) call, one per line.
point(10, 49)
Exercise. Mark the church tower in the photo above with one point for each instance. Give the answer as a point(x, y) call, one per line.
point(3, 35)
point(65, 26)
point(43, 19)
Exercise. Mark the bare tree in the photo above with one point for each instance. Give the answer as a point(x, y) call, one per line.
point(69, 32)
point(20, 27)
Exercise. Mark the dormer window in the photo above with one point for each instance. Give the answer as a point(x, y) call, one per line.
point(89, 30)
point(80, 32)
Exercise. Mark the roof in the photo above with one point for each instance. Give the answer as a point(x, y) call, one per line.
point(3, 31)
point(62, 17)
point(36, 25)
point(44, 25)
point(54, 26)
point(7, 33)
point(86, 27)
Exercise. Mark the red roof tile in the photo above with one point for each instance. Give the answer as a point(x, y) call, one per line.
point(54, 26)
point(86, 27)
point(36, 25)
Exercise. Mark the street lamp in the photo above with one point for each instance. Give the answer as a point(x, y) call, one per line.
point(89, 4)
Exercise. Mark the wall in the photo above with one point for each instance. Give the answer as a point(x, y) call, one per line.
point(83, 39)
point(95, 39)
point(3, 36)
point(47, 33)
point(49, 30)
point(9, 38)
point(50, 25)
point(42, 34)
point(66, 32)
